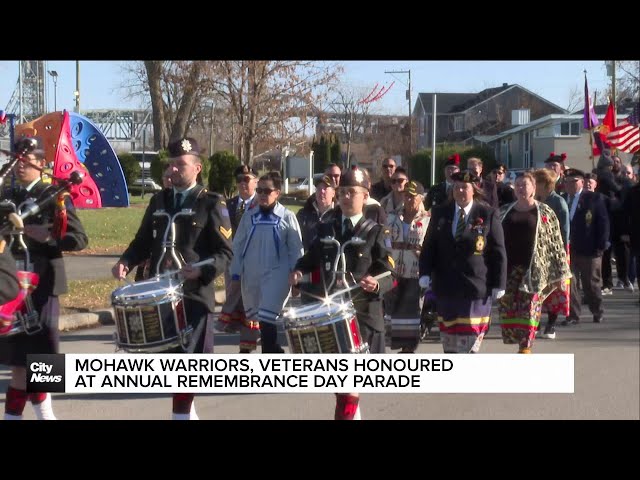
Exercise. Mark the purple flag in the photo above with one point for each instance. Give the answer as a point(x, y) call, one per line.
point(590, 117)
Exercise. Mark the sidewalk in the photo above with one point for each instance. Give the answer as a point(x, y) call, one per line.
point(75, 321)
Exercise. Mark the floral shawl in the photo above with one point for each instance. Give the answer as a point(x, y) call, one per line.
point(549, 260)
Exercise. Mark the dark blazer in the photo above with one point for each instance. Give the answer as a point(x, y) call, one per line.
point(379, 190)
point(470, 267)
point(436, 196)
point(232, 207)
point(590, 225)
point(308, 218)
point(8, 281)
point(47, 257)
point(205, 235)
point(373, 258)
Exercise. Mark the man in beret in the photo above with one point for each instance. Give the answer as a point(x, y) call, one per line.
point(463, 259)
point(589, 238)
point(441, 193)
point(232, 317)
point(364, 262)
point(506, 193)
point(557, 164)
point(203, 235)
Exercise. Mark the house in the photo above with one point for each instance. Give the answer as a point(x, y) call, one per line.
point(529, 145)
point(463, 116)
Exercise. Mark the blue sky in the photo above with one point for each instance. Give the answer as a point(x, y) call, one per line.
point(553, 80)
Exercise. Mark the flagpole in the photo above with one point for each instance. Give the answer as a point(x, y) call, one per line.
point(588, 113)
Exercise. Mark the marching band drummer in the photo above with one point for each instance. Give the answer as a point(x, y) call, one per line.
point(206, 235)
point(464, 254)
point(364, 262)
point(407, 229)
point(54, 230)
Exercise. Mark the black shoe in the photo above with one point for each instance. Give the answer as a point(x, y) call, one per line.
point(570, 321)
point(597, 319)
point(549, 332)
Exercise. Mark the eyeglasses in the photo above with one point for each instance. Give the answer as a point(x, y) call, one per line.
point(244, 178)
point(388, 165)
point(398, 180)
point(265, 191)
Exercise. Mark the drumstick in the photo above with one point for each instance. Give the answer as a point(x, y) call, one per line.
point(209, 261)
point(377, 277)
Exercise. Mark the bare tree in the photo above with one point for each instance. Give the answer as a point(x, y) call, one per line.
point(263, 96)
point(352, 111)
point(576, 99)
point(174, 91)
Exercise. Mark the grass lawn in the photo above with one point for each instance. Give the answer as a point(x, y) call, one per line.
point(110, 230)
point(88, 295)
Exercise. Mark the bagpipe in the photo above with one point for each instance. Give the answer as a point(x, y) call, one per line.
point(19, 315)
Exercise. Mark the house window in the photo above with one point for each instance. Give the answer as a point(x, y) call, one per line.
point(421, 128)
point(567, 129)
point(546, 131)
point(458, 123)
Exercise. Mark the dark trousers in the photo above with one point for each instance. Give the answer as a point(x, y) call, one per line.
point(269, 334)
point(590, 271)
point(622, 253)
point(607, 275)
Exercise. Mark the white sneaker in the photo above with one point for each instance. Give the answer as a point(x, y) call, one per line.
point(629, 287)
point(607, 291)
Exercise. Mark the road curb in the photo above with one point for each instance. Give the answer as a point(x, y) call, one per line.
point(96, 318)
point(77, 321)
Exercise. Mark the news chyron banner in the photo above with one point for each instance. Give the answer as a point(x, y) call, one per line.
point(295, 373)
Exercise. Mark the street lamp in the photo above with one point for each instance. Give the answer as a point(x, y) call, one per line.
point(54, 74)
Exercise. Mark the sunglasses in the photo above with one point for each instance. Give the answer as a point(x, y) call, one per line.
point(386, 165)
point(398, 180)
point(337, 175)
point(265, 191)
point(244, 178)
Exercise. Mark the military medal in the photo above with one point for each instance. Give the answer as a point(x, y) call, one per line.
point(479, 245)
point(588, 217)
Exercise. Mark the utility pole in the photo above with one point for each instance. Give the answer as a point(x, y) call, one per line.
point(408, 96)
point(77, 92)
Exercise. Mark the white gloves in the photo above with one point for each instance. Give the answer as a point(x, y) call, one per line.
point(425, 281)
point(497, 294)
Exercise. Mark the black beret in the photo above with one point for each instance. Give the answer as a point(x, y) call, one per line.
point(184, 146)
point(573, 172)
point(245, 170)
point(465, 176)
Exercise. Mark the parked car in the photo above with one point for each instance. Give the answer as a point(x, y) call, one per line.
point(149, 185)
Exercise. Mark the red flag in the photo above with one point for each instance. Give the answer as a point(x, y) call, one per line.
point(600, 133)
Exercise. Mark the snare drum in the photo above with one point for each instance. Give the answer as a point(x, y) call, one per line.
point(150, 316)
point(19, 315)
point(324, 328)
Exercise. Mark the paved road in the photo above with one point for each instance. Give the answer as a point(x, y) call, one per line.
point(89, 267)
point(607, 383)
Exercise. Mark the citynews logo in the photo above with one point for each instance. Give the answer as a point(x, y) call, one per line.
point(45, 373)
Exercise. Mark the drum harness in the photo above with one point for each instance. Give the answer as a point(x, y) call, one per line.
point(169, 248)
